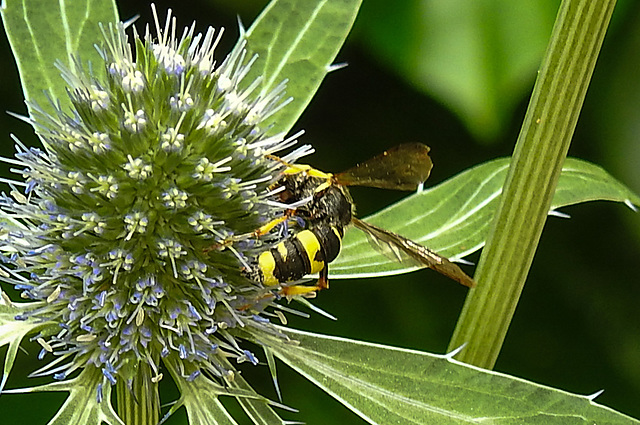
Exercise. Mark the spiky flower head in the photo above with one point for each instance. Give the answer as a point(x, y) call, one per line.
point(111, 238)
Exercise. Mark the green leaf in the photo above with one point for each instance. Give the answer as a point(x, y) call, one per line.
point(454, 217)
point(82, 406)
point(12, 332)
point(256, 408)
point(42, 32)
point(297, 41)
point(200, 398)
point(82, 388)
point(387, 385)
point(479, 58)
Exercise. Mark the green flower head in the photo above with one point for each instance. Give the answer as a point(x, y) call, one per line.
point(120, 237)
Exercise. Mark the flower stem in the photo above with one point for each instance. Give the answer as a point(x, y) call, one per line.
point(535, 168)
point(140, 404)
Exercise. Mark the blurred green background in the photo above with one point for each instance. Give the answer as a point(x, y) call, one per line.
point(455, 74)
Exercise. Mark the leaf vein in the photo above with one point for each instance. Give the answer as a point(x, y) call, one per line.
point(292, 47)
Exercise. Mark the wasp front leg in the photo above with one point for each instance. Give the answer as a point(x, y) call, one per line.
point(260, 231)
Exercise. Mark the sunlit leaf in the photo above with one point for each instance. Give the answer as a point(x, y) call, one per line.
point(82, 407)
point(478, 58)
point(257, 409)
point(453, 218)
point(387, 385)
point(12, 332)
point(41, 33)
point(201, 399)
point(297, 41)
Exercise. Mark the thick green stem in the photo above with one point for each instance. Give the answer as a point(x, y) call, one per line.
point(140, 404)
point(535, 168)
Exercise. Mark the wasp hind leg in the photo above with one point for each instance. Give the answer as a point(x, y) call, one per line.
point(323, 283)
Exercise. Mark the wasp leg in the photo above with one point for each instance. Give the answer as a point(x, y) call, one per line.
point(218, 246)
point(266, 228)
point(323, 279)
point(323, 283)
point(260, 231)
point(324, 186)
point(301, 168)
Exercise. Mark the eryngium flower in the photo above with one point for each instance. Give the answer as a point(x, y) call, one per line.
point(159, 161)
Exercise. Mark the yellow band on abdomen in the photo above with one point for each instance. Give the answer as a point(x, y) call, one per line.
point(267, 265)
point(311, 247)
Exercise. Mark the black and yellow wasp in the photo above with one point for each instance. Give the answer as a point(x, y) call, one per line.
point(329, 209)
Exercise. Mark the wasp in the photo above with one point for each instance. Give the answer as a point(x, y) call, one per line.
point(329, 209)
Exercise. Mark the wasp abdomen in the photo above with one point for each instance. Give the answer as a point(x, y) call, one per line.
point(306, 252)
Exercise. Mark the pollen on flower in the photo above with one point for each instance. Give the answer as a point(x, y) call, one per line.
point(115, 238)
point(106, 186)
point(225, 84)
point(135, 222)
point(205, 170)
point(99, 142)
point(175, 198)
point(135, 122)
point(170, 248)
point(76, 182)
point(133, 81)
point(181, 102)
point(172, 141)
point(99, 99)
point(212, 121)
point(234, 101)
point(171, 61)
point(203, 223)
point(93, 223)
point(137, 168)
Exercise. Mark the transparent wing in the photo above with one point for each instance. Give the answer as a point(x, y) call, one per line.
point(403, 167)
point(406, 250)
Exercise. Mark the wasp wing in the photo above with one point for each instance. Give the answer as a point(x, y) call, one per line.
point(406, 250)
point(403, 167)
